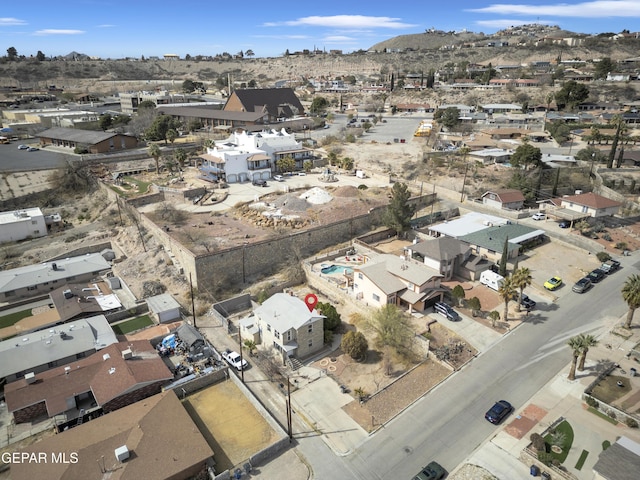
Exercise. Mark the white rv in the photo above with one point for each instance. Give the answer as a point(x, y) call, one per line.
point(491, 279)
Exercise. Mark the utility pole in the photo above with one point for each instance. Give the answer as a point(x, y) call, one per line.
point(241, 359)
point(193, 304)
point(289, 412)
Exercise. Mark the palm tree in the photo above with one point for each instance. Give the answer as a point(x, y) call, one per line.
point(631, 295)
point(250, 345)
point(521, 279)
point(576, 348)
point(587, 342)
point(154, 151)
point(508, 292)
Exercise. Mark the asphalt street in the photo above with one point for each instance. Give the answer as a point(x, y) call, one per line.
point(448, 424)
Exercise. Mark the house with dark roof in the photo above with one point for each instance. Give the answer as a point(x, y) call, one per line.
point(155, 439)
point(443, 254)
point(621, 461)
point(93, 141)
point(278, 103)
point(402, 282)
point(114, 377)
point(509, 199)
point(490, 241)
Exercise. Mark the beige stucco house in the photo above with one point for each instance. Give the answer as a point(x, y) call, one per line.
point(399, 281)
point(589, 203)
point(285, 323)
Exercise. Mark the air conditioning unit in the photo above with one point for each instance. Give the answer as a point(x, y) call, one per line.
point(30, 378)
point(127, 354)
point(122, 453)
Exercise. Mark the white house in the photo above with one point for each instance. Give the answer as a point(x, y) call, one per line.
point(490, 156)
point(164, 307)
point(591, 204)
point(285, 323)
point(22, 224)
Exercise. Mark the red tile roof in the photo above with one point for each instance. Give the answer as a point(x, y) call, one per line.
point(591, 200)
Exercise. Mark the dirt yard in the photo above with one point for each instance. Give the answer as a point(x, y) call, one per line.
point(231, 425)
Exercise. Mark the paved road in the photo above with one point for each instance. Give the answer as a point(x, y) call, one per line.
point(448, 424)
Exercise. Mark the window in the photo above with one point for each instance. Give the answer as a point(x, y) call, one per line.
point(276, 334)
point(310, 343)
point(360, 276)
point(10, 293)
point(310, 329)
point(268, 327)
point(52, 364)
point(81, 355)
point(34, 222)
point(288, 335)
point(32, 287)
point(376, 297)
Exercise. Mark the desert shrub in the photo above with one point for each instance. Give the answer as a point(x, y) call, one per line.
point(603, 256)
point(592, 402)
point(606, 237)
point(354, 344)
point(537, 442)
point(621, 245)
point(631, 423)
point(362, 187)
point(612, 414)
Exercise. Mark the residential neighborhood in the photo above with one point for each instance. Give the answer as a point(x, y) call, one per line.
point(365, 273)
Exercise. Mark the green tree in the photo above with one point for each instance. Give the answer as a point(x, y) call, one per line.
point(631, 295)
point(475, 306)
point(507, 292)
point(160, 128)
point(307, 166)
point(250, 345)
point(618, 121)
point(604, 67)
point(249, 53)
point(576, 349)
point(399, 211)
point(587, 342)
point(449, 117)
point(188, 86)
point(521, 279)
point(526, 155)
point(458, 294)
point(181, 156)
point(12, 53)
point(318, 105)
point(346, 163)
point(571, 94)
point(332, 319)
point(155, 153)
point(286, 164)
point(494, 315)
point(502, 264)
point(354, 344)
point(172, 135)
point(40, 56)
point(392, 328)
point(106, 121)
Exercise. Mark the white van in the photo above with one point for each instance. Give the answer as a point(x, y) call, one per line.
point(491, 279)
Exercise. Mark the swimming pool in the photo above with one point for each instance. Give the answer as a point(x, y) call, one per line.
point(336, 269)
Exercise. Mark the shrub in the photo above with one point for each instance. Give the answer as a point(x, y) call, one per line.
point(354, 344)
point(606, 237)
point(621, 245)
point(592, 402)
point(612, 414)
point(603, 256)
point(362, 187)
point(631, 423)
point(537, 442)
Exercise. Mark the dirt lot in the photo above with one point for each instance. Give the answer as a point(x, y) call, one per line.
point(231, 425)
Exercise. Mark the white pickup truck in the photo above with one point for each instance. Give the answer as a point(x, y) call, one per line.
point(233, 359)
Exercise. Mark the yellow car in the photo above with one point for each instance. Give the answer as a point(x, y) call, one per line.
point(553, 283)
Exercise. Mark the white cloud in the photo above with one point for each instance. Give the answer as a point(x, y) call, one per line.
point(344, 21)
point(592, 9)
point(51, 31)
point(338, 39)
point(8, 21)
point(506, 23)
point(283, 37)
point(106, 25)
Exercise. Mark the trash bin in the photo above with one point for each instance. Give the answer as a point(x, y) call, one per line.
point(534, 470)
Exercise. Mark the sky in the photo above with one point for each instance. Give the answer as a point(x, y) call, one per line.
point(136, 28)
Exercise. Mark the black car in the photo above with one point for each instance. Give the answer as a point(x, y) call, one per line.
point(446, 311)
point(433, 471)
point(564, 224)
point(526, 302)
point(260, 183)
point(596, 275)
point(500, 409)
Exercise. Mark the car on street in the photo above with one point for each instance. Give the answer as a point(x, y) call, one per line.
point(582, 285)
point(259, 183)
point(596, 275)
point(538, 216)
point(23, 147)
point(234, 359)
point(446, 311)
point(500, 409)
point(564, 224)
point(278, 178)
point(433, 471)
point(302, 174)
point(32, 149)
point(526, 302)
point(553, 283)
point(610, 266)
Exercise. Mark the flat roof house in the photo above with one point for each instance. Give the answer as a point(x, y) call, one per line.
point(40, 351)
point(22, 224)
point(116, 376)
point(39, 279)
point(491, 240)
point(402, 282)
point(157, 436)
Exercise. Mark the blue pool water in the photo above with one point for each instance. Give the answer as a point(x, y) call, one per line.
point(336, 269)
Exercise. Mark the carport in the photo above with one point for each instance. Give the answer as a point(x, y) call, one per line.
point(566, 214)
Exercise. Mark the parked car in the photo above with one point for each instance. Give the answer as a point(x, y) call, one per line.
point(278, 178)
point(564, 224)
point(446, 311)
point(596, 275)
point(610, 266)
point(582, 285)
point(538, 216)
point(433, 471)
point(302, 174)
point(526, 302)
point(259, 183)
point(500, 409)
point(32, 149)
point(233, 359)
point(23, 147)
point(553, 283)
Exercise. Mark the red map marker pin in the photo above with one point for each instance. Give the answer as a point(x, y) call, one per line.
point(311, 300)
